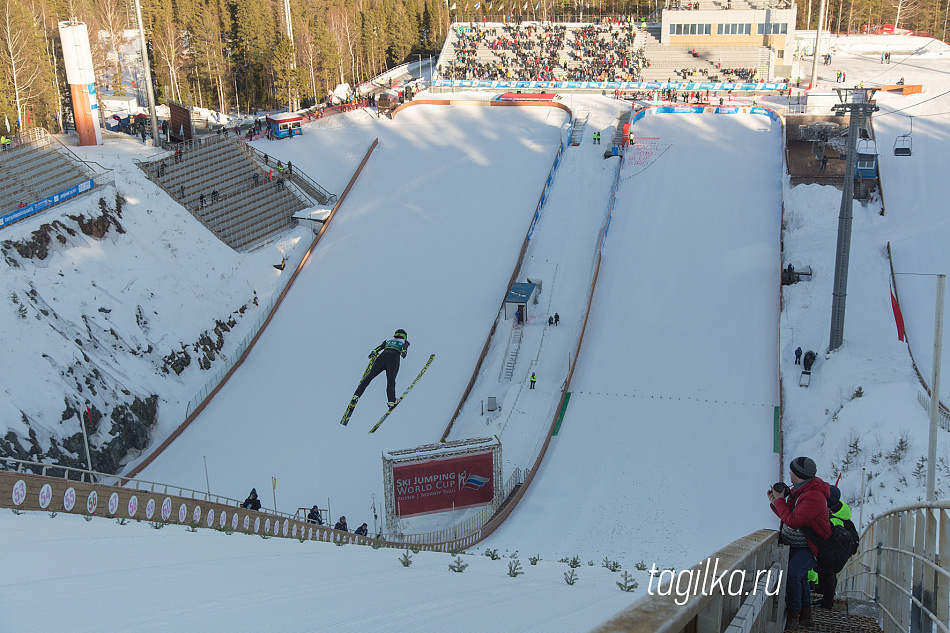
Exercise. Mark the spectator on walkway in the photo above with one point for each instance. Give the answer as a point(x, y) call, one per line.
point(362, 530)
point(341, 525)
point(214, 196)
point(314, 516)
point(201, 201)
point(257, 179)
point(252, 502)
point(828, 579)
point(803, 504)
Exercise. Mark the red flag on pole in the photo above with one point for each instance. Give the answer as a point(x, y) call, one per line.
point(898, 317)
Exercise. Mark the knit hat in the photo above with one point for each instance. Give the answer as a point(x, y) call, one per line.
point(835, 496)
point(253, 491)
point(803, 467)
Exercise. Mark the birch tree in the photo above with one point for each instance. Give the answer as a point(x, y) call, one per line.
point(22, 60)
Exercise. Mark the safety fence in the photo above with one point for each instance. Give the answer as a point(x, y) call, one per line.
point(903, 565)
point(221, 376)
point(308, 184)
point(24, 491)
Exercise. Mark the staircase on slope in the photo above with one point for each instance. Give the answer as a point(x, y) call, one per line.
point(511, 353)
point(577, 129)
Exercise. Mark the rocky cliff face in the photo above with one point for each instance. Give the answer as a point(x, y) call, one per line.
point(87, 348)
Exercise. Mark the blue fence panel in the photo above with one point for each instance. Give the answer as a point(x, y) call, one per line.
point(46, 203)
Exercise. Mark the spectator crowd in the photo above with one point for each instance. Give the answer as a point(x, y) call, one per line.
point(534, 53)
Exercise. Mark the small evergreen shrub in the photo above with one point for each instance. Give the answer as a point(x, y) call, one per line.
point(571, 578)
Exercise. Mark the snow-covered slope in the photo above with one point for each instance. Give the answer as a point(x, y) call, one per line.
point(59, 560)
point(680, 351)
point(426, 241)
point(120, 319)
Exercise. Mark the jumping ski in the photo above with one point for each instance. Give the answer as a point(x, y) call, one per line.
point(352, 405)
point(411, 385)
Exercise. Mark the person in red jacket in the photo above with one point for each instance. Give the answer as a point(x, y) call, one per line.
point(804, 504)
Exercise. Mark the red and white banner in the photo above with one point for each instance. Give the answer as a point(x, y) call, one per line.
point(443, 484)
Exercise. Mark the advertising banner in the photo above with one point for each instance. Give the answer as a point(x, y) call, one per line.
point(611, 85)
point(45, 203)
point(443, 484)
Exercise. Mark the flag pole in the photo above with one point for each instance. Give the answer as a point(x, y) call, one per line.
point(935, 390)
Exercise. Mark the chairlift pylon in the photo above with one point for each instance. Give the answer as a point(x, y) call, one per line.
point(904, 144)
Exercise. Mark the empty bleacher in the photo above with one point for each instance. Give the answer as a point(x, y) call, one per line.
point(254, 202)
point(37, 167)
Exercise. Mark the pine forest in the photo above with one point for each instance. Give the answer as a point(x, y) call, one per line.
point(235, 55)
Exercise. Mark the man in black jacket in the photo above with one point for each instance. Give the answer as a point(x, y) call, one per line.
point(314, 516)
point(341, 525)
point(252, 502)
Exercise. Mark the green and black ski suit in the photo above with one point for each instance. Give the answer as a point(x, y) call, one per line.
point(387, 354)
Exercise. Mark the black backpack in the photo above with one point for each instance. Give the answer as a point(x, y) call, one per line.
point(834, 551)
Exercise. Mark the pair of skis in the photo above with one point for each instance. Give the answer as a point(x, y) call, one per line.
point(351, 406)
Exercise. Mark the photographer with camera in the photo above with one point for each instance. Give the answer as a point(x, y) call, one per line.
point(803, 504)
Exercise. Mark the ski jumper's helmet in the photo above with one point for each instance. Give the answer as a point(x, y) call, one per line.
point(400, 333)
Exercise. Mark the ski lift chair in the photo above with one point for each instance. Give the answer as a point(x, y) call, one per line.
point(904, 144)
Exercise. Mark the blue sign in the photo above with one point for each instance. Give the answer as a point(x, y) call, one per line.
point(46, 203)
point(610, 85)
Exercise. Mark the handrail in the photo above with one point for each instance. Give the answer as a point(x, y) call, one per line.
point(758, 605)
point(328, 198)
point(122, 482)
point(29, 492)
point(903, 565)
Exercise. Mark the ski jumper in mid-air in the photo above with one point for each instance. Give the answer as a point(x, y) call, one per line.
point(385, 358)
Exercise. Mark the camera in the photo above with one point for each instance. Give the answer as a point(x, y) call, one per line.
point(781, 488)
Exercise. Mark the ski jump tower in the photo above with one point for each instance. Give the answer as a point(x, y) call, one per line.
point(82, 81)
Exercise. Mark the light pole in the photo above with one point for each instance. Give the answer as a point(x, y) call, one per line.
point(148, 77)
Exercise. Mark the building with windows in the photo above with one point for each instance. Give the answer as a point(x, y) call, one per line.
point(731, 24)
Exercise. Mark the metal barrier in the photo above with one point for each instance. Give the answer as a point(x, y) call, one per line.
point(902, 565)
point(749, 597)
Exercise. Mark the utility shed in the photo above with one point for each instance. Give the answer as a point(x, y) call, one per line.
point(520, 297)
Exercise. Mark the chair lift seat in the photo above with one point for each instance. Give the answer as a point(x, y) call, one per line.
point(904, 144)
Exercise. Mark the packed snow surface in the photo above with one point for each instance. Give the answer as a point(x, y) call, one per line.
point(686, 310)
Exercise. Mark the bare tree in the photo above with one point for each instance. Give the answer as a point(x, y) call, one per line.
point(167, 41)
point(23, 66)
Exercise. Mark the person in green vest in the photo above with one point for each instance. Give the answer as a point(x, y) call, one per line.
point(5, 142)
point(534, 379)
point(827, 581)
